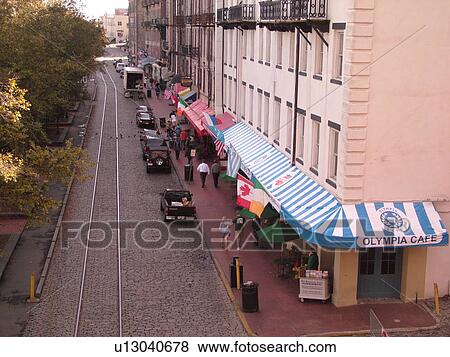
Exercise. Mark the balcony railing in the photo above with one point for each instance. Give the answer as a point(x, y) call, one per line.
point(291, 10)
point(150, 2)
point(189, 19)
point(207, 19)
point(179, 20)
point(185, 50)
point(222, 15)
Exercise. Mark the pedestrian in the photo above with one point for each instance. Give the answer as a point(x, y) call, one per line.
point(177, 147)
point(215, 170)
point(224, 228)
point(313, 261)
point(183, 138)
point(173, 119)
point(187, 151)
point(238, 224)
point(157, 90)
point(178, 131)
point(203, 169)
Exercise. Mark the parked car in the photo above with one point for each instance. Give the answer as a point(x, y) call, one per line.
point(143, 109)
point(120, 66)
point(145, 120)
point(149, 143)
point(177, 205)
point(158, 159)
point(117, 61)
point(149, 133)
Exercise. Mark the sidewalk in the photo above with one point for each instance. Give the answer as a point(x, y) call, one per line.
point(281, 313)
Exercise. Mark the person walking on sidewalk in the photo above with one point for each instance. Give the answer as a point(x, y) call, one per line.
point(183, 138)
point(238, 224)
point(215, 170)
point(177, 147)
point(203, 169)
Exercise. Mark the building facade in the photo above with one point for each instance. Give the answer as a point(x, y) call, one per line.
point(136, 36)
point(191, 44)
point(115, 26)
point(154, 26)
point(357, 102)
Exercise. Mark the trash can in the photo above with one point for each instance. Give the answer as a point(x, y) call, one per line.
point(149, 93)
point(250, 297)
point(162, 122)
point(188, 172)
point(233, 277)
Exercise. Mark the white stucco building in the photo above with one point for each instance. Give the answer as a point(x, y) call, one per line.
point(116, 25)
point(369, 124)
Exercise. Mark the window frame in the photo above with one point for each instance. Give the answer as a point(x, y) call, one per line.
point(276, 120)
point(300, 143)
point(338, 54)
point(333, 155)
point(315, 145)
point(319, 54)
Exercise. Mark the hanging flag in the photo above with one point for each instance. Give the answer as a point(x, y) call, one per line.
point(220, 146)
point(259, 198)
point(211, 120)
point(244, 192)
point(234, 162)
point(181, 107)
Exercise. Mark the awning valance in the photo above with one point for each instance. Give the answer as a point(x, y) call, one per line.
point(194, 114)
point(318, 216)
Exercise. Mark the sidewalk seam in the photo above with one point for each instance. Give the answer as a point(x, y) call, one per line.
point(221, 274)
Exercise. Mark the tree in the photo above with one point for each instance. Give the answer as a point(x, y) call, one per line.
point(26, 169)
point(51, 47)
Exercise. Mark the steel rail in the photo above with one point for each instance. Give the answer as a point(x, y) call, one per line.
point(91, 213)
point(119, 256)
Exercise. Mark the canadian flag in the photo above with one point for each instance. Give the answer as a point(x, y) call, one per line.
point(244, 191)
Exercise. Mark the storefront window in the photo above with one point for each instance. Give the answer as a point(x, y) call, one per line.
point(388, 261)
point(367, 262)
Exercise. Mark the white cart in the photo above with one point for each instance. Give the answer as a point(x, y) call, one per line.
point(314, 288)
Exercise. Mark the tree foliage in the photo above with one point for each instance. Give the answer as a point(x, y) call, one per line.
point(46, 48)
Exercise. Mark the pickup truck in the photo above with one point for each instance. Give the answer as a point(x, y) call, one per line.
point(177, 205)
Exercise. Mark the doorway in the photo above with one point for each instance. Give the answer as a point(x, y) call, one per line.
point(380, 273)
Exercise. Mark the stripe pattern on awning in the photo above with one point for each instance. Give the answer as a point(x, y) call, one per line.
point(315, 212)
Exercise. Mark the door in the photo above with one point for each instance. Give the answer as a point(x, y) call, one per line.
point(380, 272)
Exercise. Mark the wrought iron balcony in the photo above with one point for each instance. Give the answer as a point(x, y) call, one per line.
point(189, 19)
point(179, 20)
point(293, 10)
point(241, 12)
point(222, 15)
point(194, 51)
point(185, 50)
point(207, 19)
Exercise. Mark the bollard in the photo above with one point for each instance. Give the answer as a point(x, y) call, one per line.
point(437, 307)
point(238, 274)
point(32, 297)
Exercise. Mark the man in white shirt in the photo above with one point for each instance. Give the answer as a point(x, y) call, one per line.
point(203, 169)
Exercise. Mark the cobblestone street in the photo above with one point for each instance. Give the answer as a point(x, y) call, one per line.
point(164, 292)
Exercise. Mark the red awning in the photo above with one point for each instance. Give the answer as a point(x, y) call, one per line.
point(226, 120)
point(194, 114)
point(195, 121)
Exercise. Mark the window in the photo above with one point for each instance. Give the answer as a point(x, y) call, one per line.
point(266, 115)
point(338, 54)
point(319, 56)
point(261, 44)
point(289, 128)
point(268, 45)
point(291, 49)
point(230, 93)
point(315, 144)
point(279, 48)
point(242, 96)
point(276, 120)
point(250, 104)
point(225, 92)
point(244, 43)
point(119, 23)
point(252, 44)
point(225, 47)
point(230, 48)
point(388, 261)
point(258, 118)
point(367, 262)
point(304, 56)
point(333, 164)
point(300, 144)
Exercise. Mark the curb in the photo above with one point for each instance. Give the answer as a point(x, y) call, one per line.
point(8, 251)
point(44, 272)
point(222, 277)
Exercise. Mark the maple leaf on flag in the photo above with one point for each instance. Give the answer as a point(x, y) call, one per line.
point(245, 190)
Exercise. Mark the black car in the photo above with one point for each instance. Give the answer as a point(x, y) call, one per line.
point(158, 159)
point(145, 120)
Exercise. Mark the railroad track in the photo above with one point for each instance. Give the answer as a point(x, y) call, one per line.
point(85, 316)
